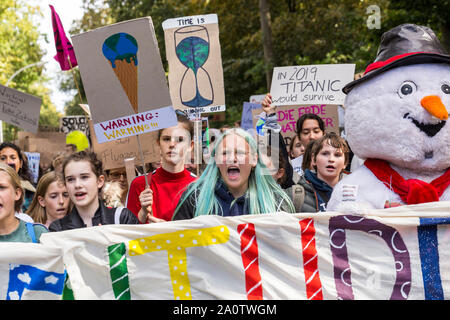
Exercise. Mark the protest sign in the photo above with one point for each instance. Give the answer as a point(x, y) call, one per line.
point(247, 116)
point(397, 253)
point(30, 271)
point(33, 164)
point(72, 123)
point(312, 84)
point(195, 63)
point(287, 117)
point(49, 144)
point(112, 154)
point(124, 79)
point(257, 98)
point(20, 109)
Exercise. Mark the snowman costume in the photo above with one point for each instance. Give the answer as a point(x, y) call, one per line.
point(396, 119)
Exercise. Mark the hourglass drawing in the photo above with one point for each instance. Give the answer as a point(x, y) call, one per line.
point(192, 50)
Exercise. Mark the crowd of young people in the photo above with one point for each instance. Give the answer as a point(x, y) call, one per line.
point(245, 174)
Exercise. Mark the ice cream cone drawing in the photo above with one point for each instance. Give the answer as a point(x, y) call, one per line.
point(121, 51)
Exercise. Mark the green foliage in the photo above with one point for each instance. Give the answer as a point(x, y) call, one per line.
point(303, 32)
point(18, 49)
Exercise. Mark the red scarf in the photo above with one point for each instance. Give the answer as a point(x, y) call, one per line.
point(411, 191)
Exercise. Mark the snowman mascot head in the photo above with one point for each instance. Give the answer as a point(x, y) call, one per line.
point(396, 119)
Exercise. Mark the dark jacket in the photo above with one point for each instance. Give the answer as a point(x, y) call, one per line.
point(317, 192)
point(103, 215)
point(228, 204)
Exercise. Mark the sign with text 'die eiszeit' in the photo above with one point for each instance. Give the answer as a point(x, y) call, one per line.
point(312, 84)
point(124, 79)
point(195, 63)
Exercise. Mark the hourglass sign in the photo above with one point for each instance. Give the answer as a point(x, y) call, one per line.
point(192, 50)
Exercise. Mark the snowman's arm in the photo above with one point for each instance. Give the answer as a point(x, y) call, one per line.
point(357, 192)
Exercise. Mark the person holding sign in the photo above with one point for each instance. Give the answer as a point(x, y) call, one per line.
point(13, 229)
point(84, 179)
point(158, 202)
point(235, 182)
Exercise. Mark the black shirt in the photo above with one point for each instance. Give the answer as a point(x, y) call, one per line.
point(103, 215)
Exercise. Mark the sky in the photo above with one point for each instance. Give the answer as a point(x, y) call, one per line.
point(68, 11)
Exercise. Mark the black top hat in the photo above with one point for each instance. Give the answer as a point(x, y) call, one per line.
point(404, 45)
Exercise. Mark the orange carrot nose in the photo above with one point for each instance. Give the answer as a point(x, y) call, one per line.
point(435, 107)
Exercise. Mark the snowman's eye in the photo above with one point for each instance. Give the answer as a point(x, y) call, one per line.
point(407, 88)
point(445, 88)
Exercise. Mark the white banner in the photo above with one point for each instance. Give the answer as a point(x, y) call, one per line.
point(397, 253)
point(30, 271)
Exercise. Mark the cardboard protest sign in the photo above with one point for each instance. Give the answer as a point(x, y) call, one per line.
point(195, 63)
point(287, 117)
point(33, 164)
point(48, 144)
point(313, 84)
point(112, 154)
point(30, 271)
point(20, 109)
point(398, 253)
point(72, 123)
point(124, 79)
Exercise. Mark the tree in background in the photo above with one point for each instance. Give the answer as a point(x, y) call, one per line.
point(302, 32)
point(19, 48)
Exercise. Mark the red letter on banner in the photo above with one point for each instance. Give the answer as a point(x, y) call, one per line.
point(310, 266)
point(249, 254)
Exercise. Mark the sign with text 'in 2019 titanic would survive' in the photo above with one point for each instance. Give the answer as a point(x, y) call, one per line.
point(124, 79)
point(312, 84)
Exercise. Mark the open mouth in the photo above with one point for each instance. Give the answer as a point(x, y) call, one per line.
point(429, 129)
point(80, 195)
point(233, 172)
point(330, 167)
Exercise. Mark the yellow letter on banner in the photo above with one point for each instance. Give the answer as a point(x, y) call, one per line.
point(176, 243)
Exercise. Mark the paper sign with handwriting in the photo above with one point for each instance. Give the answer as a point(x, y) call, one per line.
point(20, 109)
point(310, 84)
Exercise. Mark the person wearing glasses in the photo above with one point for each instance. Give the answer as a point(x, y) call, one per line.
point(235, 182)
point(115, 190)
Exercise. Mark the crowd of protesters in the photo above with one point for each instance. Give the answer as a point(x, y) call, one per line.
point(246, 173)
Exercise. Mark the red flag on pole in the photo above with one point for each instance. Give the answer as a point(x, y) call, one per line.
point(64, 48)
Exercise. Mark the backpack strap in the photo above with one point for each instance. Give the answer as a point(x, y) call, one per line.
point(298, 196)
point(31, 233)
point(117, 214)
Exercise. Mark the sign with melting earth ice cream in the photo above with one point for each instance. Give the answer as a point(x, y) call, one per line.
point(124, 79)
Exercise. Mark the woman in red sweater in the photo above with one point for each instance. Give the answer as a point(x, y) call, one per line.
point(168, 181)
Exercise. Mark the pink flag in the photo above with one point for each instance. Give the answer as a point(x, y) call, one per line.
point(64, 48)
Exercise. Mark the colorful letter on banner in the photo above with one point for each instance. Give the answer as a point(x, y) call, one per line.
point(429, 256)
point(175, 244)
point(310, 257)
point(342, 271)
point(119, 271)
point(23, 277)
point(249, 254)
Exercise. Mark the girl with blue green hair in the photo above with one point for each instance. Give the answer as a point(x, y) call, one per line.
point(235, 182)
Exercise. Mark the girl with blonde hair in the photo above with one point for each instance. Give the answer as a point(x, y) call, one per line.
point(51, 200)
point(13, 229)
